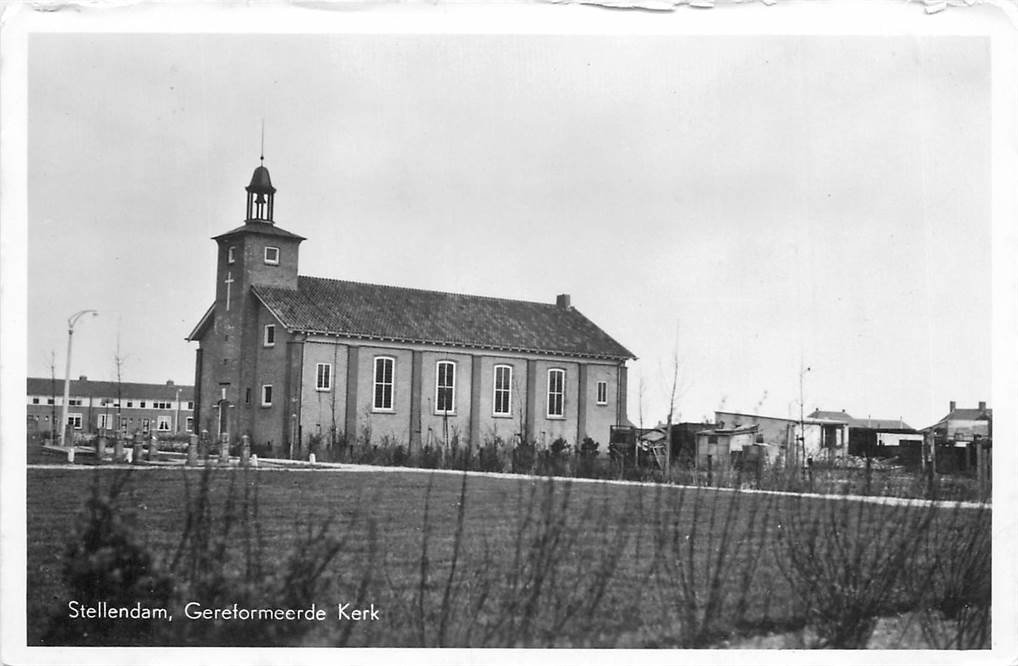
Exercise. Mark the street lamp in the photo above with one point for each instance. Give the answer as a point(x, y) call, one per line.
point(71, 321)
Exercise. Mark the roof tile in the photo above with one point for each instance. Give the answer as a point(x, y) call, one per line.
point(42, 386)
point(357, 309)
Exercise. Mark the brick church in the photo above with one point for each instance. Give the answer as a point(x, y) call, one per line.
point(283, 357)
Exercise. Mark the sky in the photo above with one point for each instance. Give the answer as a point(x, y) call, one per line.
point(739, 208)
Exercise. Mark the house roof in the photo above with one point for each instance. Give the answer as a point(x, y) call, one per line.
point(963, 414)
point(841, 417)
point(261, 228)
point(812, 421)
point(388, 313)
point(969, 415)
point(875, 424)
point(43, 386)
point(880, 424)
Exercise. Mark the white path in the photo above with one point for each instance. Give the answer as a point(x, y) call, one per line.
point(276, 465)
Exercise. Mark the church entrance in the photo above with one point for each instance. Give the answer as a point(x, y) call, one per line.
point(222, 418)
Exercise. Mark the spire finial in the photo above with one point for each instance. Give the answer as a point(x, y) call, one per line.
point(261, 157)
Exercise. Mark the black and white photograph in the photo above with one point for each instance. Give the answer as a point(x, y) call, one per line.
point(564, 327)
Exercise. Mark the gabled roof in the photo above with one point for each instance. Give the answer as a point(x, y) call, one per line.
point(969, 415)
point(401, 314)
point(43, 386)
point(203, 323)
point(963, 414)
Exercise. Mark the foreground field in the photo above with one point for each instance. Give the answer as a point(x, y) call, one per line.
point(449, 560)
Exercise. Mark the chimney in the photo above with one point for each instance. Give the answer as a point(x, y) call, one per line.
point(982, 405)
point(82, 378)
point(563, 301)
point(951, 408)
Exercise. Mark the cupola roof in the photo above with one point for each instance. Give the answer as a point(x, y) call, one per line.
point(260, 181)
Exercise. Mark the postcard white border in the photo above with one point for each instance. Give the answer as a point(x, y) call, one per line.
point(840, 17)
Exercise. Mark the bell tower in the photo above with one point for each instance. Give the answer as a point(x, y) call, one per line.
point(260, 196)
point(236, 358)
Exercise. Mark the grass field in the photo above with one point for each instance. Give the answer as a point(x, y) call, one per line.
point(481, 561)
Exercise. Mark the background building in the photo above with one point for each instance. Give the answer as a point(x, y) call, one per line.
point(884, 438)
point(284, 358)
point(123, 406)
point(791, 440)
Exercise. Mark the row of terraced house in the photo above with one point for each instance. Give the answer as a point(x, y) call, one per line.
point(105, 406)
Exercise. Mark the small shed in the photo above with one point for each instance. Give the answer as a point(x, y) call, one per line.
point(726, 446)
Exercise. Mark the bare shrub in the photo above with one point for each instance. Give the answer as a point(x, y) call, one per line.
point(846, 562)
point(220, 559)
point(106, 562)
point(952, 581)
point(547, 589)
point(707, 548)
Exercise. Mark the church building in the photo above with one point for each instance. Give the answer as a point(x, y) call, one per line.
point(283, 357)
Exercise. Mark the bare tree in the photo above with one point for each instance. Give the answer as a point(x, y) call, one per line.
point(675, 391)
point(671, 414)
point(118, 365)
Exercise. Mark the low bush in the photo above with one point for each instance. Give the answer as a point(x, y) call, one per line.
point(220, 558)
point(847, 562)
point(490, 457)
point(524, 457)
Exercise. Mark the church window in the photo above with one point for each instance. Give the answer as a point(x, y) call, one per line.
point(502, 399)
point(189, 424)
point(270, 335)
point(272, 255)
point(556, 392)
point(267, 395)
point(231, 255)
point(445, 387)
point(163, 423)
point(384, 373)
point(323, 377)
point(74, 420)
point(602, 393)
point(35, 401)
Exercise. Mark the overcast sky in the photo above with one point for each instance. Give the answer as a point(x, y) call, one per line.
point(745, 204)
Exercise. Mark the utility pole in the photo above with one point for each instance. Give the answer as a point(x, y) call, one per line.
point(802, 415)
point(71, 321)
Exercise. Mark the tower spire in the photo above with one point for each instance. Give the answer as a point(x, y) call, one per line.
point(261, 155)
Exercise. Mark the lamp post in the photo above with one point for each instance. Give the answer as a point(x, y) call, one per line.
point(71, 321)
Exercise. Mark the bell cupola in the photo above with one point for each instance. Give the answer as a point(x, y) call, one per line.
point(260, 196)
